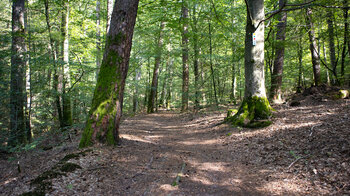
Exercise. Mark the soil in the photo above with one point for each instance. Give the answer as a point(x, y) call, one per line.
point(306, 151)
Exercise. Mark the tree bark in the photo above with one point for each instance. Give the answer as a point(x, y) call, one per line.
point(109, 14)
point(313, 48)
point(66, 100)
point(255, 109)
point(332, 46)
point(346, 41)
point(98, 36)
point(102, 125)
point(211, 64)
point(277, 74)
point(136, 91)
point(195, 60)
point(154, 87)
point(185, 67)
point(18, 63)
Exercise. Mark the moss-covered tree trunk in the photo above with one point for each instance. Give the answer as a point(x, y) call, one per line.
point(255, 109)
point(102, 125)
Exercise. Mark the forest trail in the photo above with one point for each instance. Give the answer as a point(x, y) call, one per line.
point(304, 152)
point(164, 142)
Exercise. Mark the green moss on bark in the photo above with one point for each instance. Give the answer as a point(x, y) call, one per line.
point(254, 112)
point(100, 123)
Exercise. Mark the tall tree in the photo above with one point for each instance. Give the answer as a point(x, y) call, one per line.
point(195, 58)
point(313, 48)
point(98, 36)
point(154, 86)
point(255, 108)
point(346, 40)
point(18, 64)
point(277, 73)
point(102, 125)
point(185, 67)
point(66, 100)
point(330, 17)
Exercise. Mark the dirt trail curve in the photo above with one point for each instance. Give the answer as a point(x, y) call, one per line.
point(304, 152)
point(154, 149)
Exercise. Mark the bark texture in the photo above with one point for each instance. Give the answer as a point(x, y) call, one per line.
point(277, 74)
point(313, 48)
point(185, 67)
point(255, 109)
point(102, 125)
point(18, 63)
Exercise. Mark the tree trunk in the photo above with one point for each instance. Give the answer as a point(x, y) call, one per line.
point(300, 58)
point(66, 100)
point(102, 125)
point(195, 61)
point(154, 87)
point(18, 63)
point(28, 95)
point(234, 79)
point(255, 108)
point(332, 46)
point(136, 91)
point(346, 41)
point(314, 53)
point(109, 14)
point(51, 47)
point(211, 64)
point(98, 37)
point(185, 68)
point(277, 74)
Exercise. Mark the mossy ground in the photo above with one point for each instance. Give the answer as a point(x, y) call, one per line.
point(43, 183)
point(254, 112)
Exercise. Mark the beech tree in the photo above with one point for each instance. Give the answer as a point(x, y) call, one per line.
point(102, 125)
point(18, 64)
point(255, 109)
point(277, 73)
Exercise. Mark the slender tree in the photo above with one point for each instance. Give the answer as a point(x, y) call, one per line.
point(255, 108)
point(195, 58)
point(277, 73)
point(154, 86)
point(185, 67)
point(18, 64)
point(102, 125)
point(313, 48)
point(66, 100)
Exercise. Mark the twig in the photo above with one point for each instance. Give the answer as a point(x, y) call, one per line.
point(312, 129)
point(296, 160)
point(179, 175)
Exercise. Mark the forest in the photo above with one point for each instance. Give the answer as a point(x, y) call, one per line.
point(174, 97)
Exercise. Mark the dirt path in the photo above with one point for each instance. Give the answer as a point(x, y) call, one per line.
point(305, 152)
point(154, 149)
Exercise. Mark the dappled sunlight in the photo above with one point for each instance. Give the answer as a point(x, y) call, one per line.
point(199, 142)
point(135, 138)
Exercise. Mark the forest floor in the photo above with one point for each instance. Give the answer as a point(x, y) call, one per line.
point(305, 152)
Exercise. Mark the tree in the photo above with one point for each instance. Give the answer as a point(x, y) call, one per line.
point(255, 108)
point(154, 86)
point(185, 67)
point(277, 73)
point(313, 49)
point(18, 64)
point(102, 125)
point(66, 100)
